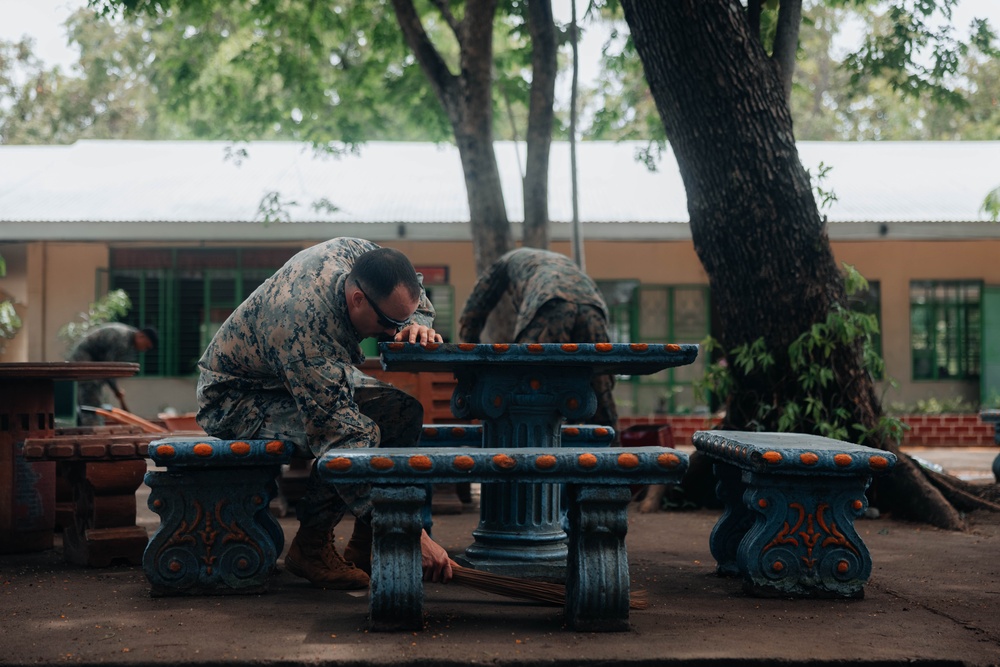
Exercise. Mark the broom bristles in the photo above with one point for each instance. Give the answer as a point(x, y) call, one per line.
point(524, 589)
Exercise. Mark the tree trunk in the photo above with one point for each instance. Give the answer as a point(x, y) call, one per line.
point(541, 112)
point(755, 224)
point(468, 102)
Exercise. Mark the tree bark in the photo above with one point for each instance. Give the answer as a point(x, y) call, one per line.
point(541, 112)
point(754, 221)
point(468, 102)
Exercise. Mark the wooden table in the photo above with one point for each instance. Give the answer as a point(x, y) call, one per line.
point(27, 410)
point(523, 393)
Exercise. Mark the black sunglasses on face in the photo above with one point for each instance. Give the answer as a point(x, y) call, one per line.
point(383, 319)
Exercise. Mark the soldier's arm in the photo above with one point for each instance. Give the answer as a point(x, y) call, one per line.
point(485, 295)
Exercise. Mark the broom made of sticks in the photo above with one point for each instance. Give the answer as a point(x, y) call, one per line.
point(524, 589)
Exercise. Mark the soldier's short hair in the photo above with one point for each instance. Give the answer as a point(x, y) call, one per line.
point(381, 269)
point(151, 334)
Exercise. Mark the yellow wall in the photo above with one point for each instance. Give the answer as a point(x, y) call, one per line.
point(62, 276)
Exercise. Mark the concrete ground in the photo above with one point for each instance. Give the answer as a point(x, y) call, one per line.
point(933, 598)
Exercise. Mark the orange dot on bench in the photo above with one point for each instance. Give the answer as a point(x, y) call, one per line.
point(166, 451)
point(240, 448)
point(587, 460)
point(808, 458)
point(842, 459)
point(878, 462)
point(545, 462)
point(203, 449)
point(772, 456)
point(628, 460)
point(668, 460)
point(381, 463)
point(340, 464)
point(464, 462)
point(504, 461)
point(420, 462)
point(275, 447)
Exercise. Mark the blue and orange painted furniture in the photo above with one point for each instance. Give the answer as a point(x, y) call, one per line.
point(523, 394)
point(597, 488)
point(790, 504)
point(216, 533)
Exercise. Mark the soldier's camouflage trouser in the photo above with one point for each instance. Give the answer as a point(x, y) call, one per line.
point(560, 321)
point(90, 394)
point(400, 419)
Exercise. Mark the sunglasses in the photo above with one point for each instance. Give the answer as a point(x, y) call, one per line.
point(383, 319)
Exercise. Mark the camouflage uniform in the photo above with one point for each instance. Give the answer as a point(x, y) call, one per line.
point(556, 302)
point(283, 366)
point(107, 342)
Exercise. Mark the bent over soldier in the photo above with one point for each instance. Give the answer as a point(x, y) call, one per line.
point(555, 301)
point(107, 342)
point(284, 366)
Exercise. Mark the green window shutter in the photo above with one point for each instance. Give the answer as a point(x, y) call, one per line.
point(945, 329)
point(989, 393)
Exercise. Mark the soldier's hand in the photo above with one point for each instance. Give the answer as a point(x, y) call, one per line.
point(418, 333)
point(434, 560)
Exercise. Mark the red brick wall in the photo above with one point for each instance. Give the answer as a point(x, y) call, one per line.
point(944, 430)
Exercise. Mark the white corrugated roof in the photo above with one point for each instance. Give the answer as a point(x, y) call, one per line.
point(94, 189)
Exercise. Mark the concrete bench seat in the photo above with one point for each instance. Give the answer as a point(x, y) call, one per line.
point(98, 470)
point(597, 484)
point(216, 533)
point(790, 504)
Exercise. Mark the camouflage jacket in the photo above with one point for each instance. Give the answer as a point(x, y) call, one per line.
point(532, 277)
point(106, 342)
point(293, 336)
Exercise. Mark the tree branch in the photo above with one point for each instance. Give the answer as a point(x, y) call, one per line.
point(430, 60)
point(442, 6)
point(786, 42)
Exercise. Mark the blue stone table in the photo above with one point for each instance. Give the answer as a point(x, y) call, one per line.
point(522, 394)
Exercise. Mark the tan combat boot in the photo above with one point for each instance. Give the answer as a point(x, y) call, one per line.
point(359, 548)
point(312, 556)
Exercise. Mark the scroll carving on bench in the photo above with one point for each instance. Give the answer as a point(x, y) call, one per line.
point(790, 504)
point(597, 484)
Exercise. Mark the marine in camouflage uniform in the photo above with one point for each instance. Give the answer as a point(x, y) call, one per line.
point(555, 301)
point(284, 366)
point(106, 342)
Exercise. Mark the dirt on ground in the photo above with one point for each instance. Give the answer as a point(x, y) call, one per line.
point(932, 598)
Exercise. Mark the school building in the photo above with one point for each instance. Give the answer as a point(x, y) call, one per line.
point(189, 229)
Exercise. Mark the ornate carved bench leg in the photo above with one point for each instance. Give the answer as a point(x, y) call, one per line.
point(735, 521)
point(597, 580)
point(396, 597)
point(803, 542)
point(213, 537)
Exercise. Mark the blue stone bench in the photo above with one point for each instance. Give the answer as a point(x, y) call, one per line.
point(790, 504)
point(216, 534)
point(597, 482)
point(471, 435)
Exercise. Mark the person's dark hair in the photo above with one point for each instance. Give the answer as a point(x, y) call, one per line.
point(381, 269)
point(151, 334)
